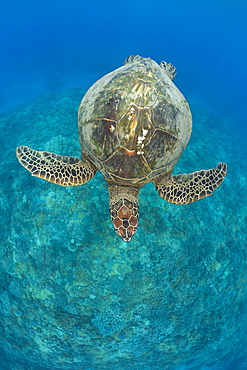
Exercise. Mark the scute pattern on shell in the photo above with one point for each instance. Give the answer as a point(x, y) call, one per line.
point(134, 123)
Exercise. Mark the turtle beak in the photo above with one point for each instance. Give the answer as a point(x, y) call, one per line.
point(126, 231)
point(124, 216)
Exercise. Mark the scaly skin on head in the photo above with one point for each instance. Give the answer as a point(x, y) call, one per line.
point(124, 209)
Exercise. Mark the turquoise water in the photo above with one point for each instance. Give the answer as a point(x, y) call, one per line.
point(72, 294)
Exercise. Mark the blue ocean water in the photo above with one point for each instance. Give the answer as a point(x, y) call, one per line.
point(72, 294)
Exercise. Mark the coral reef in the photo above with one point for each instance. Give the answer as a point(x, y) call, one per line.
point(74, 296)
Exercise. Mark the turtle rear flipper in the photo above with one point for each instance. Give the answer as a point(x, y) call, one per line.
point(169, 69)
point(188, 188)
point(60, 170)
point(132, 59)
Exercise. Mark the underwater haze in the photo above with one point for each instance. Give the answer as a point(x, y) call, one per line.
point(73, 295)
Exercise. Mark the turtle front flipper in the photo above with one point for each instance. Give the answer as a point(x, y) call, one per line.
point(60, 170)
point(188, 188)
point(124, 210)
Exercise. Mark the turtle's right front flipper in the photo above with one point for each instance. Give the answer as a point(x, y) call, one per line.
point(188, 188)
point(61, 170)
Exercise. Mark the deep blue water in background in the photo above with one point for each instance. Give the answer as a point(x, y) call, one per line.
point(52, 45)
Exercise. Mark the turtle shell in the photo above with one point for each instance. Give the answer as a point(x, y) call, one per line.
point(134, 123)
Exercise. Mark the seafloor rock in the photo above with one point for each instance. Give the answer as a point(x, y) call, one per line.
point(74, 296)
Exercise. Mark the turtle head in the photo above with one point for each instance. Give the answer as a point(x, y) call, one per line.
point(124, 210)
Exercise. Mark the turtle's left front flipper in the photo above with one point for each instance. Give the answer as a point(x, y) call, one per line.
point(188, 188)
point(61, 170)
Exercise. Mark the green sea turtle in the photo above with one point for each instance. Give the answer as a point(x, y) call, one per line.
point(134, 124)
